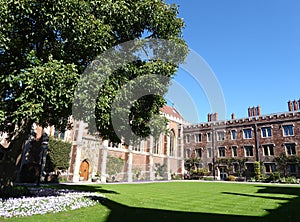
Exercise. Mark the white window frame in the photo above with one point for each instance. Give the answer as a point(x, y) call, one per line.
point(287, 125)
point(231, 134)
point(244, 134)
point(198, 137)
point(265, 128)
point(219, 134)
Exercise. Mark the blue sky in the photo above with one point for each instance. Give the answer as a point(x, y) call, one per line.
point(253, 48)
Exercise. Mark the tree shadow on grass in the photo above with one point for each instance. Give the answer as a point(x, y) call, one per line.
point(86, 188)
point(287, 211)
point(120, 212)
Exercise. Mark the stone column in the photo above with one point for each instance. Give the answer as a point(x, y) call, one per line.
point(78, 144)
point(168, 159)
point(129, 164)
point(151, 163)
point(104, 160)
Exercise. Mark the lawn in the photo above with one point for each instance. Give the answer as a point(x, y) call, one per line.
point(184, 201)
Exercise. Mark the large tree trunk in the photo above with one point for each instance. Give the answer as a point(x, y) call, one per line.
point(12, 156)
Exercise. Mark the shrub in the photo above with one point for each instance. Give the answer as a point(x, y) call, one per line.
point(14, 192)
point(291, 180)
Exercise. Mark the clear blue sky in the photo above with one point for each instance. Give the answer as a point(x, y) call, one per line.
point(253, 47)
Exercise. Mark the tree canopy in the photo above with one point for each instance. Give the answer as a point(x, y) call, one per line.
point(45, 46)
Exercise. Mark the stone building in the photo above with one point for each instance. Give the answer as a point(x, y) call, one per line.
point(95, 159)
point(258, 137)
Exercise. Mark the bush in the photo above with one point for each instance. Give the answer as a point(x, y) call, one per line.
point(291, 180)
point(14, 192)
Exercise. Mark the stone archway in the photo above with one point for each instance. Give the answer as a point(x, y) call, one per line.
point(84, 170)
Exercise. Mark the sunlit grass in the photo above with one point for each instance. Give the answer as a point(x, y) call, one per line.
point(185, 201)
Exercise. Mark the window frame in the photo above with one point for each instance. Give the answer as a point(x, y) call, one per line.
point(252, 151)
point(221, 150)
point(284, 131)
point(268, 134)
point(244, 133)
point(235, 135)
point(198, 137)
point(222, 134)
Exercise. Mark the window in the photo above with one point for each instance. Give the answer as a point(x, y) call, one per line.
point(222, 152)
point(292, 168)
point(233, 134)
point(234, 151)
point(248, 151)
point(247, 133)
point(268, 150)
point(209, 154)
point(187, 138)
point(220, 135)
point(290, 148)
point(188, 153)
point(198, 153)
point(208, 137)
point(266, 132)
point(270, 167)
point(288, 130)
point(198, 138)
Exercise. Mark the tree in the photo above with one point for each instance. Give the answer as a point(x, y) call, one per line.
point(46, 45)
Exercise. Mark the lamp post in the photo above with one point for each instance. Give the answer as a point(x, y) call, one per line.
point(44, 148)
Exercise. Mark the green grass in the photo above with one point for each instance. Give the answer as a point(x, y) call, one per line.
point(185, 201)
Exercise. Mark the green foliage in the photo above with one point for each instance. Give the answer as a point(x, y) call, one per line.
point(46, 45)
point(257, 173)
point(59, 153)
point(14, 192)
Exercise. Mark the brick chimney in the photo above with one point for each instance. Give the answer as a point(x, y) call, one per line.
point(209, 117)
point(296, 107)
point(212, 117)
point(249, 112)
point(258, 111)
point(232, 116)
point(290, 105)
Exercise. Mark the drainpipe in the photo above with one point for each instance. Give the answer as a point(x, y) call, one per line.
point(256, 143)
point(213, 152)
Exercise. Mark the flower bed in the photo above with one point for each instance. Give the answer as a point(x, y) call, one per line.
point(46, 200)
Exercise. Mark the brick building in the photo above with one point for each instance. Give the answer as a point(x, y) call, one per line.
point(152, 159)
point(258, 137)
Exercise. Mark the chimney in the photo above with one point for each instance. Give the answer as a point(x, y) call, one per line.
point(208, 117)
point(258, 110)
point(290, 105)
point(295, 105)
point(232, 116)
point(249, 112)
point(216, 116)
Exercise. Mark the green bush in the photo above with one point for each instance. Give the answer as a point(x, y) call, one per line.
point(291, 180)
point(14, 192)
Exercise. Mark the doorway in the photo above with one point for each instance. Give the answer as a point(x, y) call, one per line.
point(84, 170)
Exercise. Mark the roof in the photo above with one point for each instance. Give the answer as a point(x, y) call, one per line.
point(171, 111)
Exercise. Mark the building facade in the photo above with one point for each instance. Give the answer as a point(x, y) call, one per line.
point(222, 146)
point(152, 159)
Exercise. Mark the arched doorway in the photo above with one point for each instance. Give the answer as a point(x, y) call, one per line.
point(84, 170)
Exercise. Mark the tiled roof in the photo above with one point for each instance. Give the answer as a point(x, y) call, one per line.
point(171, 111)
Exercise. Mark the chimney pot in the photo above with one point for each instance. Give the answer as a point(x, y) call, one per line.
point(249, 112)
point(232, 116)
point(295, 105)
point(258, 111)
point(290, 106)
point(208, 117)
